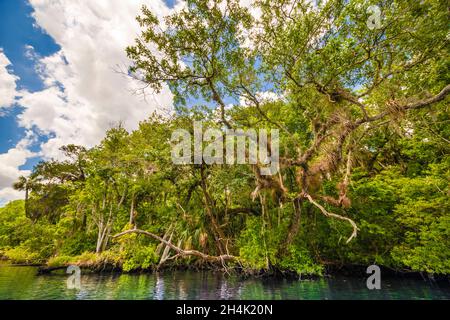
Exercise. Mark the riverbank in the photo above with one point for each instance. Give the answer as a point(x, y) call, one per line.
point(99, 266)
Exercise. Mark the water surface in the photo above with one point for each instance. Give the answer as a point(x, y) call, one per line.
point(18, 282)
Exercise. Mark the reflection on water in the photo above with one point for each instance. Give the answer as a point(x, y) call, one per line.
point(24, 283)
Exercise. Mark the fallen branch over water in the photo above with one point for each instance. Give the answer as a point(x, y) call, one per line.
point(180, 252)
point(47, 269)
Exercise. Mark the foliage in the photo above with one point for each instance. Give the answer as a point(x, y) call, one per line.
point(364, 126)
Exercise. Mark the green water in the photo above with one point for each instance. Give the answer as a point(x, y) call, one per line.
point(18, 282)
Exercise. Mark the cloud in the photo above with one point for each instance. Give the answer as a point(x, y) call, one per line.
point(263, 97)
point(7, 82)
point(9, 168)
point(84, 93)
point(17, 156)
point(9, 194)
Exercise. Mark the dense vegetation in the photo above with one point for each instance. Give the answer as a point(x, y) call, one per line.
point(364, 150)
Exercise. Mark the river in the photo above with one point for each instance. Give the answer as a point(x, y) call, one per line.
point(23, 282)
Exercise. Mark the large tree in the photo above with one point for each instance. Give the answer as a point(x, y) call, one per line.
point(335, 77)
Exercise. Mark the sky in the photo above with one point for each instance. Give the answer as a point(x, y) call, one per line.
point(58, 78)
point(62, 65)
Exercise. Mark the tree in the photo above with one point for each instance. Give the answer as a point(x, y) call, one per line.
point(340, 78)
point(363, 120)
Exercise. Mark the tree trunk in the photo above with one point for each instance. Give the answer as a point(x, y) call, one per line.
point(27, 210)
point(217, 231)
point(98, 247)
point(295, 225)
point(132, 211)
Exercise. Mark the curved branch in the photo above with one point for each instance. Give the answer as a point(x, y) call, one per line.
point(178, 250)
point(414, 105)
point(425, 102)
point(334, 215)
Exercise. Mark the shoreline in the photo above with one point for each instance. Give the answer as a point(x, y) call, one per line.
point(331, 271)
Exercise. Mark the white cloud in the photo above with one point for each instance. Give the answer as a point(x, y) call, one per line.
point(7, 82)
point(9, 168)
point(9, 194)
point(262, 96)
point(84, 95)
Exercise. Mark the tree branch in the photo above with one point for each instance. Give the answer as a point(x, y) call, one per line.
point(334, 215)
point(414, 105)
point(178, 250)
point(425, 102)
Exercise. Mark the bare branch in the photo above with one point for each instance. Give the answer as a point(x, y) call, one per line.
point(334, 215)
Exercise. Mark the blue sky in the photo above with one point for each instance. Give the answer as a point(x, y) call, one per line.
point(17, 30)
point(57, 79)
